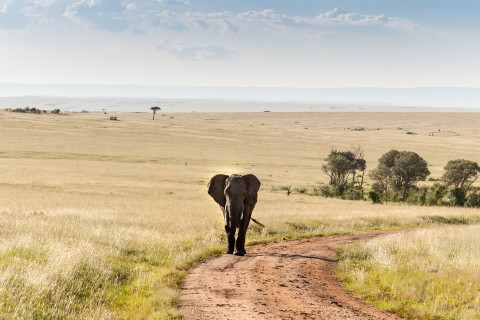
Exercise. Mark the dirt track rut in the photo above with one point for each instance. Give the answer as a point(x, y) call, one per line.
point(280, 280)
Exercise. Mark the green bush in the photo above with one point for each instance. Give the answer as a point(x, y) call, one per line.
point(31, 110)
point(374, 196)
point(458, 197)
point(301, 190)
point(324, 191)
point(435, 194)
point(353, 193)
point(417, 195)
point(341, 191)
point(473, 198)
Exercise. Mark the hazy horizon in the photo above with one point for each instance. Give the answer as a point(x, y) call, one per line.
point(306, 99)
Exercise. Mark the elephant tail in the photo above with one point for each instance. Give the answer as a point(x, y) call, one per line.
point(260, 224)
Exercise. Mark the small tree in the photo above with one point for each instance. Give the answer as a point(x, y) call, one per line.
point(409, 168)
point(155, 109)
point(360, 165)
point(343, 166)
point(338, 166)
point(461, 173)
point(383, 176)
point(400, 170)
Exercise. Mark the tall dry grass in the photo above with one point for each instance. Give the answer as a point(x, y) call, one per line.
point(425, 274)
point(101, 219)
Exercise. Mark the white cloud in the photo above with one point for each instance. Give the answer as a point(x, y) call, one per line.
point(97, 14)
point(193, 52)
point(268, 19)
point(44, 3)
point(345, 18)
point(4, 7)
point(129, 6)
point(166, 14)
point(170, 2)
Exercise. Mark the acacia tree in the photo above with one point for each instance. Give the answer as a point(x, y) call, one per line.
point(401, 170)
point(155, 109)
point(409, 168)
point(343, 166)
point(461, 173)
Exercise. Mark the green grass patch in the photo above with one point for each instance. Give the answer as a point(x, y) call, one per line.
point(423, 274)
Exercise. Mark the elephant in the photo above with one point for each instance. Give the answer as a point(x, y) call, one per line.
point(237, 196)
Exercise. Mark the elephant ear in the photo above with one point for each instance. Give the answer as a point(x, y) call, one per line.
point(216, 188)
point(253, 185)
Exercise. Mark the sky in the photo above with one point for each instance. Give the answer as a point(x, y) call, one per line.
point(241, 43)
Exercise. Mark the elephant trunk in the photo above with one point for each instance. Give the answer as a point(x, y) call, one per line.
point(234, 215)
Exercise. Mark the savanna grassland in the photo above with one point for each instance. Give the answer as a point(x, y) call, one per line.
point(101, 219)
point(423, 274)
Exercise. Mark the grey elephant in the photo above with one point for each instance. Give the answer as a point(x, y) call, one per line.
point(237, 196)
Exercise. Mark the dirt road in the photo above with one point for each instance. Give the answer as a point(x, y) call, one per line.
point(280, 280)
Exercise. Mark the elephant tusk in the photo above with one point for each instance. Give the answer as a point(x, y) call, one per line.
point(241, 217)
point(226, 223)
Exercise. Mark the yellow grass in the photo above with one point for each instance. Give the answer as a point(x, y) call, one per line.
point(101, 219)
point(426, 274)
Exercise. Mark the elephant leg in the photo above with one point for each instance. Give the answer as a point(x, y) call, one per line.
point(231, 238)
point(242, 230)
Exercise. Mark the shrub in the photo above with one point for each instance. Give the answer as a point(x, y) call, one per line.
point(458, 197)
point(340, 189)
point(301, 190)
point(473, 198)
point(435, 194)
point(417, 195)
point(374, 196)
point(353, 193)
point(324, 191)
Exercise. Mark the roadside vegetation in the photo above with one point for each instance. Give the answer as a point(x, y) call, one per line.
point(396, 179)
point(102, 219)
point(422, 274)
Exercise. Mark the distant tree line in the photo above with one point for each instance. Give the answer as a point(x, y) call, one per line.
point(32, 110)
point(396, 179)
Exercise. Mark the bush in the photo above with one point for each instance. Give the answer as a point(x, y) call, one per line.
point(417, 195)
point(353, 193)
point(324, 191)
point(473, 199)
point(435, 194)
point(30, 110)
point(342, 191)
point(374, 196)
point(458, 197)
point(301, 190)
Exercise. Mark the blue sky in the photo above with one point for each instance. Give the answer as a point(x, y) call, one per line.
point(248, 43)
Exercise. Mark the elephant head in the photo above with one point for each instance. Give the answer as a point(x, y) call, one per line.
point(237, 196)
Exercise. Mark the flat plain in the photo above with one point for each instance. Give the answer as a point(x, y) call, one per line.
point(102, 219)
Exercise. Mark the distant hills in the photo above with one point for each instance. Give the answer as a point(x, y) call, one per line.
point(427, 97)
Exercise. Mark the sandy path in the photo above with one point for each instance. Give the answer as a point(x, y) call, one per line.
point(280, 280)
